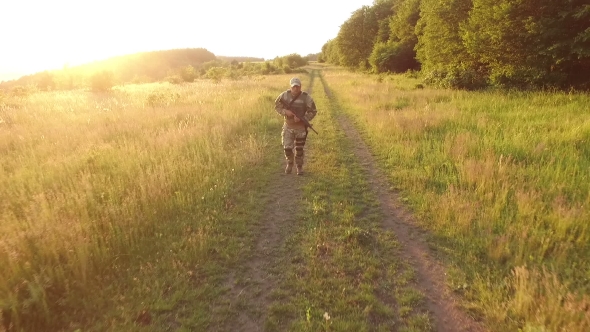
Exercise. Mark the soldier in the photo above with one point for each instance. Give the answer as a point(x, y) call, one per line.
point(293, 105)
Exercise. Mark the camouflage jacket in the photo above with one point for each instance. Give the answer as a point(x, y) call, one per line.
point(303, 106)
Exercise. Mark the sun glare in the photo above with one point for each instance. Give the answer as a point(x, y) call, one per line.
point(68, 32)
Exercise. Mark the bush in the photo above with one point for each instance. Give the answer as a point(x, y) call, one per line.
point(216, 73)
point(188, 73)
point(174, 79)
point(292, 60)
point(21, 91)
point(46, 81)
point(102, 81)
point(456, 78)
point(268, 68)
point(526, 78)
point(392, 57)
point(412, 74)
point(233, 74)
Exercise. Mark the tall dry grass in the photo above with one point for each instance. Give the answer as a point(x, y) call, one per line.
point(91, 184)
point(502, 180)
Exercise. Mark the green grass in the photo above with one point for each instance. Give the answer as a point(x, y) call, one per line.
point(501, 179)
point(341, 259)
point(125, 211)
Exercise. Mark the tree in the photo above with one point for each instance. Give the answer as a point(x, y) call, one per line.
point(355, 39)
point(438, 29)
point(397, 54)
point(402, 25)
point(331, 52)
point(312, 57)
point(382, 10)
point(295, 60)
point(361, 31)
point(440, 49)
point(531, 43)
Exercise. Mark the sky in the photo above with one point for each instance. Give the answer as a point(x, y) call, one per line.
point(41, 35)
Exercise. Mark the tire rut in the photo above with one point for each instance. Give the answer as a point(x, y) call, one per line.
point(430, 274)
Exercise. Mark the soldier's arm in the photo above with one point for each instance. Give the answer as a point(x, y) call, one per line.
point(279, 106)
point(311, 110)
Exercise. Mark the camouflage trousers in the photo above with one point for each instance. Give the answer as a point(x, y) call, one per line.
point(293, 138)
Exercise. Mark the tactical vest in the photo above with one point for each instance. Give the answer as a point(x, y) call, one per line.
point(299, 107)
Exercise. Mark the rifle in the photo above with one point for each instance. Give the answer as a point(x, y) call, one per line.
point(307, 124)
point(302, 118)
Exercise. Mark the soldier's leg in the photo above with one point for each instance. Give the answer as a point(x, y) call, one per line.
point(300, 138)
point(288, 140)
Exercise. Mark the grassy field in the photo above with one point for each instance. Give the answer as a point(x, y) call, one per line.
point(122, 209)
point(125, 211)
point(502, 180)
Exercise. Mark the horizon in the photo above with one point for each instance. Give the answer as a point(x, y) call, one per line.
point(10, 76)
point(62, 33)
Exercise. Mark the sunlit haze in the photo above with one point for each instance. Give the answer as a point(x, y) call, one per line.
point(40, 34)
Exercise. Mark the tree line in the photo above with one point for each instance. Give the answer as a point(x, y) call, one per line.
point(174, 66)
point(470, 44)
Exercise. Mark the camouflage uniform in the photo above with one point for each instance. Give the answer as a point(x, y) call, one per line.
point(294, 133)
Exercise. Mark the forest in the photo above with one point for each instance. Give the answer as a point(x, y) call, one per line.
point(470, 44)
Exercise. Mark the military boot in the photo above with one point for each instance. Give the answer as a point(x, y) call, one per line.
point(299, 160)
point(299, 169)
point(290, 159)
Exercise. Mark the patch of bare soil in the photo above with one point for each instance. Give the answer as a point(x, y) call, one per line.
point(440, 302)
point(249, 287)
